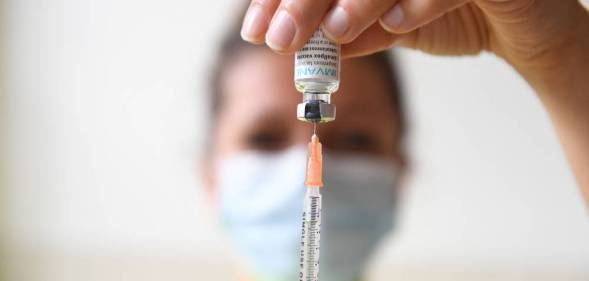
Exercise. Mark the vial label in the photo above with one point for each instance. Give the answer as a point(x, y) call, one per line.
point(318, 59)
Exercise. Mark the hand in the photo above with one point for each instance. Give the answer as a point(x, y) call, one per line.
point(546, 41)
point(524, 32)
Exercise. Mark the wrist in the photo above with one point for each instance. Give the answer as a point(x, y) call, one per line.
point(564, 66)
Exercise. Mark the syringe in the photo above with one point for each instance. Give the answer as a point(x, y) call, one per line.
point(311, 229)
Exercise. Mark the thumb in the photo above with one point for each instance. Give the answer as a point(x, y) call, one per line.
point(408, 15)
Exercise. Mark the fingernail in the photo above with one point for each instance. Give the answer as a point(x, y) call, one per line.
point(282, 31)
point(393, 18)
point(253, 23)
point(336, 22)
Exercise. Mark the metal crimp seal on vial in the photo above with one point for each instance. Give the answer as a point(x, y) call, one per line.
point(315, 111)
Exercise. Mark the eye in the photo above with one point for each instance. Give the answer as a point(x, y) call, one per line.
point(265, 140)
point(358, 141)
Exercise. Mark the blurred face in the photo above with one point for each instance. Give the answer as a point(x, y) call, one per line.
point(258, 162)
point(259, 109)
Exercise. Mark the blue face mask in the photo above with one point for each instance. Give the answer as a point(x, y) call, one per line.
point(261, 200)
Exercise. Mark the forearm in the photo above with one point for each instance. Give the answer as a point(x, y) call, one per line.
point(563, 88)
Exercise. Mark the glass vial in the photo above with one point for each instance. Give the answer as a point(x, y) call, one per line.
point(316, 76)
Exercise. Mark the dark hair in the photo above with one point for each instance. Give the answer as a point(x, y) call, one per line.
point(232, 46)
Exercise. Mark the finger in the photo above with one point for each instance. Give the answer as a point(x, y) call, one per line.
point(256, 20)
point(459, 32)
point(372, 40)
point(294, 22)
point(349, 18)
point(407, 15)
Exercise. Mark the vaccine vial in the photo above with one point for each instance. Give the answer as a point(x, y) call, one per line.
point(316, 76)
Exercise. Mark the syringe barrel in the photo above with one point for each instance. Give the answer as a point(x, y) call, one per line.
point(310, 236)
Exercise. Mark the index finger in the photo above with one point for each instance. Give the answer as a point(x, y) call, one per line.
point(294, 22)
point(257, 19)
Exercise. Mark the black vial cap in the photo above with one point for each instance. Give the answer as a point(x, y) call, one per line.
point(313, 111)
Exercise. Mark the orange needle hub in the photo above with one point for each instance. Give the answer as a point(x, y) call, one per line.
point(314, 164)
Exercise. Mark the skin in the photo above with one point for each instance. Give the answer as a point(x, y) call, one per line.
point(259, 108)
point(546, 41)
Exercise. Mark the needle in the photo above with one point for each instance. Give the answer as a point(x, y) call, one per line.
point(314, 127)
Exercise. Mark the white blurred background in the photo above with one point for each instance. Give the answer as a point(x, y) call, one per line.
point(104, 108)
